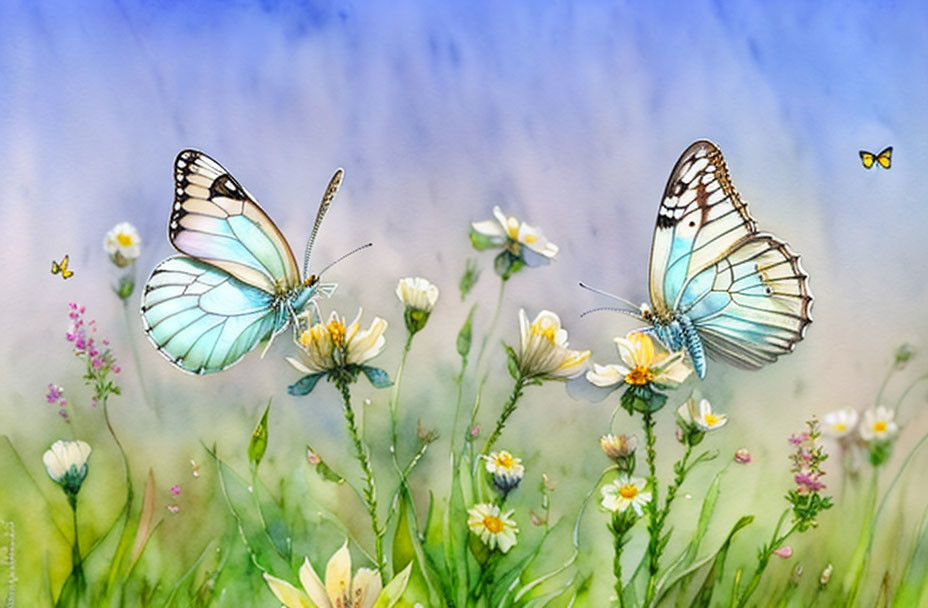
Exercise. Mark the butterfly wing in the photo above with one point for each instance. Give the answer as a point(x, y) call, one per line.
point(63, 267)
point(204, 319)
point(753, 304)
point(701, 215)
point(216, 220)
point(867, 158)
point(744, 291)
point(885, 158)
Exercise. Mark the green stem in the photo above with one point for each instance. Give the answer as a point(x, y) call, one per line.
point(505, 414)
point(370, 489)
point(865, 545)
point(619, 540)
point(479, 373)
point(908, 390)
point(858, 564)
point(76, 561)
point(123, 545)
point(882, 389)
point(394, 404)
point(137, 360)
point(655, 521)
point(766, 552)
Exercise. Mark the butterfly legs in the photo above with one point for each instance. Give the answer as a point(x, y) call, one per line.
point(681, 334)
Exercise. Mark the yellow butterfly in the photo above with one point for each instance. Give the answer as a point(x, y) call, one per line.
point(62, 267)
point(884, 158)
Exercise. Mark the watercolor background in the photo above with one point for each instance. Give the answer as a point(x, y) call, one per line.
point(569, 115)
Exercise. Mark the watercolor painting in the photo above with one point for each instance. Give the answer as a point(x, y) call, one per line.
point(463, 304)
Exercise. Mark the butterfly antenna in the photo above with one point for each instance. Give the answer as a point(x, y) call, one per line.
point(327, 199)
point(610, 295)
point(350, 253)
point(624, 311)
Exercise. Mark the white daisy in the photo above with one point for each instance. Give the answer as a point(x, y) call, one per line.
point(625, 492)
point(543, 350)
point(495, 529)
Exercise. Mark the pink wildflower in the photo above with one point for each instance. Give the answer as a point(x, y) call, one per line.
point(54, 393)
point(808, 483)
point(742, 456)
point(175, 490)
point(785, 552)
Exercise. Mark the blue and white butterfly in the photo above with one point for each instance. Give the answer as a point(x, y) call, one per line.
point(237, 284)
point(717, 285)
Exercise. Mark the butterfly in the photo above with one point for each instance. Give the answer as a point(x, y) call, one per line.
point(719, 287)
point(237, 283)
point(884, 158)
point(62, 267)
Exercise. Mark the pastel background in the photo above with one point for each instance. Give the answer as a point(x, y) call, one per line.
point(569, 115)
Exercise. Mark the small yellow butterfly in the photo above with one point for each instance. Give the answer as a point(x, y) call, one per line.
point(62, 267)
point(884, 158)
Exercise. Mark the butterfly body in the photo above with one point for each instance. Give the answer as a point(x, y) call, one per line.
point(679, 333)
point(237, 282)
point(718, 286)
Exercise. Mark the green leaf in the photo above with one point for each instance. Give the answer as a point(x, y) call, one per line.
point(435, 545)
point(394, 589)
point(512, 362)
point(267, 546)
point(915, 579)
point(377, 376)
point(482, 242)
point(465, 335)
point(469, 278)
point(305, 385)
point(257, 446)
point(403, 550)
point(324, 470)
point(714, 576)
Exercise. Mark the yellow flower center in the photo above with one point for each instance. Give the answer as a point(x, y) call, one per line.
point(512, 228)
point(337, 331)
point(493, 524)
point(712, 419)
point(839, 427)
point(629, 491)
point(124, 239)
point(548, 330)
point(504, 460)
point(530, 238)
point(879, 426)
point(639, 375)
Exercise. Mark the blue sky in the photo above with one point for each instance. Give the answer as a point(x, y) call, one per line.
point(569, 115)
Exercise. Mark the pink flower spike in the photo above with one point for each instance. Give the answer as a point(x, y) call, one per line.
point(808, 483)
point(742, 456)
point(785, 552)
point(175, 490)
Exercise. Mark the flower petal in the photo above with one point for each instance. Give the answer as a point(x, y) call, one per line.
point(338, 576)
point(288, 594)
point(313, 585)
point(365, 587)
point(607, 375)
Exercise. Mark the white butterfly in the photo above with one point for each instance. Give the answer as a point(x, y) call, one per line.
point(717, 285)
